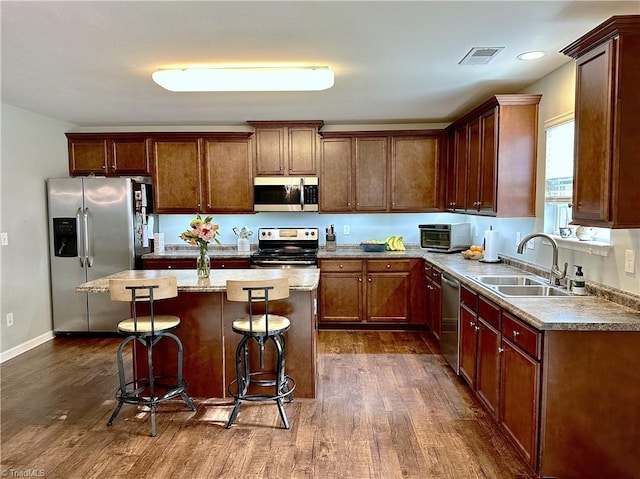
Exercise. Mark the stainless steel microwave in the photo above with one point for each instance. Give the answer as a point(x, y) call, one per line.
point(285, 193)
point(445, 237)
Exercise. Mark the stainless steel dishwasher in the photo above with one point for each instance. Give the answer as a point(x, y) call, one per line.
point(450, 320)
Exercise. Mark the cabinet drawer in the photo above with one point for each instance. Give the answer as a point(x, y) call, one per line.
point(435, 274)
point(527, 338)
point(383, 265)
point(469, 297)
point(169, 263)
point(489, 312)
point(230, 264)
point(331, 265)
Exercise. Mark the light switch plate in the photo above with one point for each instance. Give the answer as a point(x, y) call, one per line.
point(4, 239)
point(346, 230)
point(629, 261)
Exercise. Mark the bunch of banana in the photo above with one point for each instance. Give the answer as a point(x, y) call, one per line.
point(394, 243)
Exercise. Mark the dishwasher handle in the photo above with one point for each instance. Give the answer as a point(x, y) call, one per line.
point(450, 281)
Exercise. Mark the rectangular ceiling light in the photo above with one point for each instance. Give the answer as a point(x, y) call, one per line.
point(245, 79)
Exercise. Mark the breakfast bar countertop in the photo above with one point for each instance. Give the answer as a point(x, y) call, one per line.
point(306, 279)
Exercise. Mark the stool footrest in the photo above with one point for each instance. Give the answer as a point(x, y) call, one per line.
point(135, 396)
point(288, 386)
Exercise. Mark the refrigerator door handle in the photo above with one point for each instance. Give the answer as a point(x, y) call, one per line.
point(79, 239)
point(87, 243)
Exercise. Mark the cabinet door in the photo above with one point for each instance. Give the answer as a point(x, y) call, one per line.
point(371, 174)
point(388, 297)
point(461, 137)
point(176, 176)
point(593, 109)
point(129, 157)
point(489, 155)
point(335, 175)
point(302, 150)
point(87, 156)
point(435, 298)
point(474, 165)
point(270, 150)
point(450, 183)
point(488, 366)
point(519, 402)
point(228, 178)
point(415, 174)
point(468, 335)
point(340, 297)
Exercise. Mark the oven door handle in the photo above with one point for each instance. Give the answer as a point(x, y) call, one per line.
point(302, 193)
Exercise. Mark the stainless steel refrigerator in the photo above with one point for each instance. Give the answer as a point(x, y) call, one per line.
point(97, 226)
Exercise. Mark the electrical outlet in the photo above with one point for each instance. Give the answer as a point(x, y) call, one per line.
point(9, 319)
point(4, 239)
point(531, 244)
point(629, 261)
point(518, 238)
point(346, 230)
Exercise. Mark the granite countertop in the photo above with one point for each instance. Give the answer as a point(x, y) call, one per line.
point(604, 309)
point(188, 282)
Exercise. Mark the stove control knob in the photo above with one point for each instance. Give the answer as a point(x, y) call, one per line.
point(313, 233)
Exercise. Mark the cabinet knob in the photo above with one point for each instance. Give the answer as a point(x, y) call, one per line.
point(516, 333)
point(360, 280)
point(477, 328)
point(281, 168)
point(500, 350)
point(472, 324)
point(103, 167)
point(388, 266)
point(340, 266)
point(290, 168)
point(169, 267)
point(369, 280)
point(348, 204)
point(222, 265)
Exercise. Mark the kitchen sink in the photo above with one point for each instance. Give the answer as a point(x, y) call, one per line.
point(511, 280)
point(520, 285)
point(538, 290)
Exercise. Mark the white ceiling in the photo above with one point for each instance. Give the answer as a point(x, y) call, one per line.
point(90, 63)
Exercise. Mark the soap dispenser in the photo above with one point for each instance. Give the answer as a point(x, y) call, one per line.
point(578, 283)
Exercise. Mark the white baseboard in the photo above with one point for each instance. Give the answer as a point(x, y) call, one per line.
point(26, 346)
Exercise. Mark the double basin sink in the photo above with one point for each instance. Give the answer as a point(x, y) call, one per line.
point(516, 285)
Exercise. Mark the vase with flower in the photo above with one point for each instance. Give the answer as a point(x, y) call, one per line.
point(200, 234)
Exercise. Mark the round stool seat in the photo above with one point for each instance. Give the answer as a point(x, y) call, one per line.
point(161, 323)
point(277, 325)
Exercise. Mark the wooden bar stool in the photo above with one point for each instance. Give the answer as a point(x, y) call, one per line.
point(148, 330)
point(261, 327)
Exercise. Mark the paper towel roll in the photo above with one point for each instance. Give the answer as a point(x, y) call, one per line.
point(491, 239)
point(158, 243)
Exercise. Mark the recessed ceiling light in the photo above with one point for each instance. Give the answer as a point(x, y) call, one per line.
point(533, 55)
point(245, 79)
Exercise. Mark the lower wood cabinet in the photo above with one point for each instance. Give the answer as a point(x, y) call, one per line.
point(190, 263)
point(433, 300)
point(358, 292)
point(500, 360)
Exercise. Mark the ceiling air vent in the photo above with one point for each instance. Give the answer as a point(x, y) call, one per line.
point(480, 55)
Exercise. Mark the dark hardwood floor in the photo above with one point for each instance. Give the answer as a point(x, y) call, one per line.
point(388, 407)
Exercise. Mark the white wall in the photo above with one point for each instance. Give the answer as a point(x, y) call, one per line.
point(33, 148)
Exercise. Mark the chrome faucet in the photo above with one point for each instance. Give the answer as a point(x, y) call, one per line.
point(555, 275)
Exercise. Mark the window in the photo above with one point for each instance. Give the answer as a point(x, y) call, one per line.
point(559, 172)
point(559, 133)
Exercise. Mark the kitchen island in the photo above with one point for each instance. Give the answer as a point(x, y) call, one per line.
point(205, 329)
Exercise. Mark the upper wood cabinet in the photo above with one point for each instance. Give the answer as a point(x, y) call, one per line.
point(336, 172)
point(286, 148)
point(228, 175)
point(381, 171)
point(210, 173)
point(492, 158)
point(112, 154)
point(416, 173)
point(176, 175)
point(607, 114)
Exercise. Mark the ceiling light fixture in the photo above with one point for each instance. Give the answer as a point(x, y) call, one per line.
point(245, 79)
point(533, 55)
